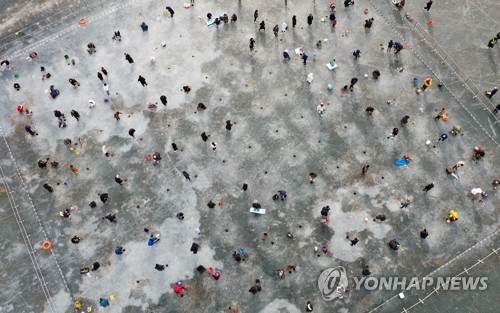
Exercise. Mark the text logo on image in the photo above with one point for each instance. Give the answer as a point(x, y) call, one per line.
point(332, 283)
point(421, 283)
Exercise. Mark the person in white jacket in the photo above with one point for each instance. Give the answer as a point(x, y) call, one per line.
point(105, 87)
point(321, 109)
point(310, 77)
point(284, 28)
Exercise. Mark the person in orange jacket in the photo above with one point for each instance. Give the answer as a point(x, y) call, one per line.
point(427, 83)
point(441, 114)
point(73, 168)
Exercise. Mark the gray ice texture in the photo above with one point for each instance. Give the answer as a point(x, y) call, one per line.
point(277, 139)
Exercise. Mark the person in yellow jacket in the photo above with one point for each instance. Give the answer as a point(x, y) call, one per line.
point(427, 83)
point(452, 216)
point(441, 114)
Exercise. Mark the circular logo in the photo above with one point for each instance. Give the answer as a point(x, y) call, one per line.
point(332, 283)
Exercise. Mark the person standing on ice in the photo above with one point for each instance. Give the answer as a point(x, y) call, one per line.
point(310, 19)
point(262, 26)
point(429, 187)
point(142, 80)
point(118, 180)
point(163, 100)
point(75, 114)
point(310, 78)
point(129, 58)
point(304, 58)
point(276, 29)
point(284, 28)
point(252, 43)
point(74, 82)
point(321, 109)
point(286, 55)
point(105, 87)
point(171, 11)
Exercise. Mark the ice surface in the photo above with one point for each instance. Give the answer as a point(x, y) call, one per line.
point(277, 139)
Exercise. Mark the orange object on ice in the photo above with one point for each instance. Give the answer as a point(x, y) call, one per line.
point(47, 245)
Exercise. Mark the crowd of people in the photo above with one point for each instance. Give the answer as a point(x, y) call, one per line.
point(240, 255)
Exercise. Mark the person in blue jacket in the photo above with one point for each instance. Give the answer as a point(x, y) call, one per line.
point(104, 302)
point(304, 58)
point(119, 250)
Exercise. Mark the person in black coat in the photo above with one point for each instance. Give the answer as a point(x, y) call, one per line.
point(262, 26)
point(256, 288)
point(129, 58)
point(424, 234)
point(310, 19)
point(110, 217)
point(171, 11)
point(95, 266)
point(429, 187)
point(194, 248)
point(163, 100)
point(104, 197)
point(118, 180)
point(75, 114)
point(142, 80)
point(393, 244)
point(53, 92)
point(48, 187)
point(366, 271)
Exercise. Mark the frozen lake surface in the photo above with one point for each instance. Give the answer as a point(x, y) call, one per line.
point(277, 139)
